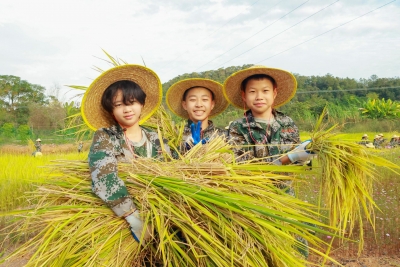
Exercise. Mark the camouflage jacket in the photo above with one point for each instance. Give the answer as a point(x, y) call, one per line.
point(254, 139)
point(108, 148)
point(205, 134)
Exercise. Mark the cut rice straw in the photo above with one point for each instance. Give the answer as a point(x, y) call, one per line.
point(348, 173)
point(199, 216)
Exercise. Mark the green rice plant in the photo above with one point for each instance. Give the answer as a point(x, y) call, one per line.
point(348, 172)
point(203, 211)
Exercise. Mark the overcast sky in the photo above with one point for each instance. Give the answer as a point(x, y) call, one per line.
point(51, 42)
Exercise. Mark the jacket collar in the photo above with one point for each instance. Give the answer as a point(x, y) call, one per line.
point(209, 127)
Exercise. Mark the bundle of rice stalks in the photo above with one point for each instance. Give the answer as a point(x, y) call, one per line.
point(171, 131)
point(202, 211)
point(348, 173)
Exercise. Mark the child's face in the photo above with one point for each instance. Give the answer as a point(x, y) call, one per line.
point(259, 96)
point(126, 115)
point(198, 104)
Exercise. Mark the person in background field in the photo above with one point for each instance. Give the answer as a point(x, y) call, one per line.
point(114, 105)
point(394, 141)
point(381, 140)
point(38, 145)
point(80, 146)
point(264, 133)
point(197, 100)
point(364, 140)
point(376, 141)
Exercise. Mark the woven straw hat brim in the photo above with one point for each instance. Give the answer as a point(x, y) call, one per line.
point(38, 140)
point(286, 85)
point(174, 96)
point(93, 113)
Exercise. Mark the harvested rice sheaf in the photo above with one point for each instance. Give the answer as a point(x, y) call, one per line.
point(202, 210)
point(348, 175)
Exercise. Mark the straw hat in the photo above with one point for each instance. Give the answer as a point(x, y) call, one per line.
point(381, 134)
point(38, 140)
point(285, 81)
point(365, 135)
point(376, 136)
point(395, 136)
point(93, 113)
point(175, 94)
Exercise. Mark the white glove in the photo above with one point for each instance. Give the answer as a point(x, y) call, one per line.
point(136, 225)
point(300, 153)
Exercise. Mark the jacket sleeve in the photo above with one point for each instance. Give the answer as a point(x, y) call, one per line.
point(104, 173)
point(236, 138)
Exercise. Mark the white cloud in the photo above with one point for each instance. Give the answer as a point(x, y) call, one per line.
point(48, 42)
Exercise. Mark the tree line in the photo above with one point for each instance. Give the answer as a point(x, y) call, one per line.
point(25, 109)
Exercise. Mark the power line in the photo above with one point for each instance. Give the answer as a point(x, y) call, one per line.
point(252, 35)
point(211, 34)
point(279, 33)
point(326, 31)
point(347, 90)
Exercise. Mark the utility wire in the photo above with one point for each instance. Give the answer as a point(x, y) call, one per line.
point(211, 34)
point(263, 42)
point(253, 35)
point(347, 90)
point(327, 31)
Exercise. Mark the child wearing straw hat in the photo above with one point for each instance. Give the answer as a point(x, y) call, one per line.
point(264, 132)
point(114, 105)
point(197, 100)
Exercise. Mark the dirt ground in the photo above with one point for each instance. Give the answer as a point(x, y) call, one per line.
point(384, 261)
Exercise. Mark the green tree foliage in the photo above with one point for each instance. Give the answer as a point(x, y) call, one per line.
point(380, 109)
point(23, 132)
point(8, 130)
point(15, 96)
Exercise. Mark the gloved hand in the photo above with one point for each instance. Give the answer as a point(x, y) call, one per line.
point(137, 227)
point(300, 153)
point(196, 132)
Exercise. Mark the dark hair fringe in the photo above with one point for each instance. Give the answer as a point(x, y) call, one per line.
point(130, 91)
point(257, 77)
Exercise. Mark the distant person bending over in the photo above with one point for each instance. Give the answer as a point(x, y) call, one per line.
point(114, 104)
point(394, 141)
point(364, 140)
point(376, 142)
point(197, 100)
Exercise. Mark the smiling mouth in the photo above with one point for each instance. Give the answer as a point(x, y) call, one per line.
point(198, 112)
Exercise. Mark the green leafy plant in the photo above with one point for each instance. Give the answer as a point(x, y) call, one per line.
point(380, 109)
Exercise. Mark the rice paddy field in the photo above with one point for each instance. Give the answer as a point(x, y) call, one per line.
point(21, 173)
